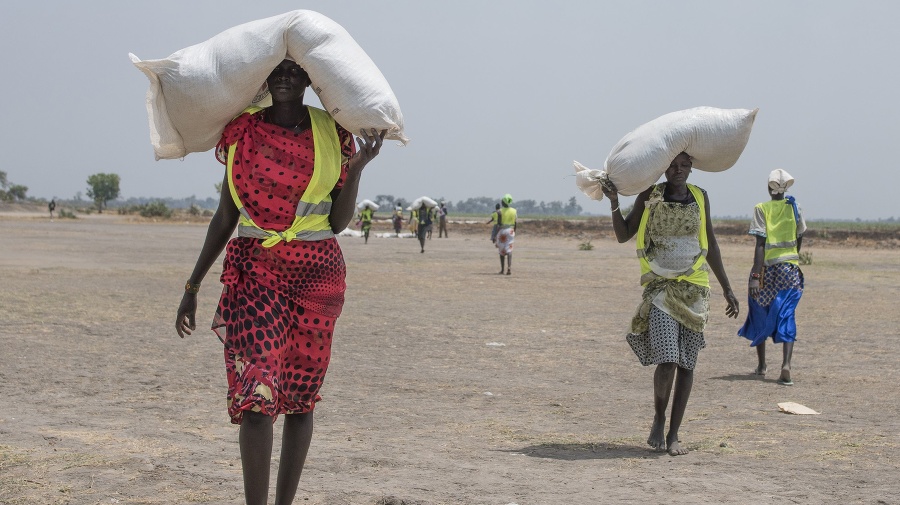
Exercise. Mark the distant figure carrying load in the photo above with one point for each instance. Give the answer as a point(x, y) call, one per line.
point(365, 218)
point(506, 232)
point(397, 219)
point(423, 218)
point(776, 282)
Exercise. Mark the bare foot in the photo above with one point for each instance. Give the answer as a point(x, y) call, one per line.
point(674, 448)
point(657, 438)
point(761, 370)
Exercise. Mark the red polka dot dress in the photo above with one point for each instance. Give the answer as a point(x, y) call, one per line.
point(278, 307)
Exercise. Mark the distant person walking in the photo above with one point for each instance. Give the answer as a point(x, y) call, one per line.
point(365, 219)
point(424, 218)
point(397, 219)
point(442, 221)
point(413, 222)
point(506, 232)
point(676, 247)
point(52, 206)
point(495, 218)
point(776, 282)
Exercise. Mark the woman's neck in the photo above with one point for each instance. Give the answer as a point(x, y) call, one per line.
point(676, 191)
point(287, 114)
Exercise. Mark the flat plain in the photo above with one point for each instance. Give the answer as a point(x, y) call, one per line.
point(449, 384)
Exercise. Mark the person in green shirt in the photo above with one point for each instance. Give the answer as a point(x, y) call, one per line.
point(365, 217)
point(506, 232)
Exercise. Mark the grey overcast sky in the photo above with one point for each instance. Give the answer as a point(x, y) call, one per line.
point(498, 96)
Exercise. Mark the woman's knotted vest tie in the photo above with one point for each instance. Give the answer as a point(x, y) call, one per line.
point(311, 217)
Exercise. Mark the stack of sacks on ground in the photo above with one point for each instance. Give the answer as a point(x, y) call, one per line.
point(713, 138)
point(196, 91)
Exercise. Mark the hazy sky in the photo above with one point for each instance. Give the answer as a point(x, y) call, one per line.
point(498, 96)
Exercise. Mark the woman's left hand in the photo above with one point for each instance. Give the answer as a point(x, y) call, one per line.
point(369, 146)
point(732, 310)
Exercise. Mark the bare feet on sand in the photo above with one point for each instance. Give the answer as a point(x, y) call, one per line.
point(674, 448)
point(657, 438)
point(761, 370)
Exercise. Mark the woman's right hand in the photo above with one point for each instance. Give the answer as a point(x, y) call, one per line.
point(611, 192)
point(753, 288)
point(187, 310)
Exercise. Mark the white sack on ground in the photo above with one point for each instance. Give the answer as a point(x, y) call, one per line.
point(423, 200)
point(714, 138)
point(196, 91)
point(348, 232)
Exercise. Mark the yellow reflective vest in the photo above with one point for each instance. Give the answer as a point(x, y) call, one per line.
point(508, 216)
point(698, 273)
point(311, 218)
point(781, 232)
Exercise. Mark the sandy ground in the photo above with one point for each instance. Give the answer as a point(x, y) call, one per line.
point(449, 384)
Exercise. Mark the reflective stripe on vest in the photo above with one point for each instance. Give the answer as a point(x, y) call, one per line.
point(311, 217)
point(696, 274)
point(781, 232)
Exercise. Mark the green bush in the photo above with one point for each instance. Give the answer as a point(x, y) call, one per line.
point(67, 214)
point(155, 209)
point(585, 246)
point(805, 258)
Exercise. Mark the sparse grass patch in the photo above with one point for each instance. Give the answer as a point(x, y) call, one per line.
point(806, 258)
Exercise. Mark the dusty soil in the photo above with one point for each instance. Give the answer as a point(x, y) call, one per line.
point(449, 384)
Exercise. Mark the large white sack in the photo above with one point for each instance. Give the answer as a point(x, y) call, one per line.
point(714, 138)
point(367, 204)
point(196, 91)
point(423, 200)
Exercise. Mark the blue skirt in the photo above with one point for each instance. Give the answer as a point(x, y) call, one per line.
point(771, 313)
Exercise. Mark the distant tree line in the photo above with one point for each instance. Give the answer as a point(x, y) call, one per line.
point(10, 192)
point(486, 205)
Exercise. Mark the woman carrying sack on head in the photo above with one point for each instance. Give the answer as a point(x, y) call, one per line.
point(676, 247)
point(291, 183)
point(776, 282)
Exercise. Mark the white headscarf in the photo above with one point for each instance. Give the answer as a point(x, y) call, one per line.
point(779, 181)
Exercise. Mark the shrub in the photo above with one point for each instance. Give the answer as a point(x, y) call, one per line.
point(805, 258)
point(155, 209)
point(585, 246)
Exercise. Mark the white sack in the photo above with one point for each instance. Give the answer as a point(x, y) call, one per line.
point(714, 138)
point(423, 200)
point(196, 91)
point(367, 204)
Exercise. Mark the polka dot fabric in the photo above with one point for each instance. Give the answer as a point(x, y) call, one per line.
point(279, 305)
point(666, 341)
point(276, 352)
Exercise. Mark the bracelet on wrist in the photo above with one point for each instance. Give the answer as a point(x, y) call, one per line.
point(754, 275)
point(617, 208)
point(191, 288)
